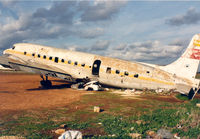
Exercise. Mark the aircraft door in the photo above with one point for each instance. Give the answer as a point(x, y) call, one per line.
point(96, 67)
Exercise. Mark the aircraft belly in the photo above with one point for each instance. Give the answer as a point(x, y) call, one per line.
point(128, 82)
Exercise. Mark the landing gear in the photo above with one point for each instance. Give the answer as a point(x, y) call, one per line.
point(45, 83)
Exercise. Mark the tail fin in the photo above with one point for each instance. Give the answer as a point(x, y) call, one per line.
point(187, 65)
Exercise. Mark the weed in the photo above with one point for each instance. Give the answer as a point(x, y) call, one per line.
point(182, 97)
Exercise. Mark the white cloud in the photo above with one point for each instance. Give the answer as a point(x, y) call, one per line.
point(146, 51)
point(100, 45)
point(100, 10)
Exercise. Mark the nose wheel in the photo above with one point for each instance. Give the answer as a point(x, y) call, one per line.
point(45, 83)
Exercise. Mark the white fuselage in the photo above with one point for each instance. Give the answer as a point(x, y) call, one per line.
point(72, 65)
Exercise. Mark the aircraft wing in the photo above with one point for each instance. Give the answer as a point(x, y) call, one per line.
point(35, 67)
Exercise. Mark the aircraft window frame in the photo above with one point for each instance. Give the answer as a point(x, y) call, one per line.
point(75, 63)
point(69, 62)
point(25, 53)
point(44, 56)
point(56, 59)
point(126, 73)
point(83, 65)
point(136, 75)
point(108, 70)
point(117, 71)
point(50, 58)
point(62, 60)
point(38, 56)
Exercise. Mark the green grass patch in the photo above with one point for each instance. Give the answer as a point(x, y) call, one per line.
point(182, 97)
point(119, 118)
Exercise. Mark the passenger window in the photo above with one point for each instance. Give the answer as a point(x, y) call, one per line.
point(108, 70)
point(148, 72)
point(83, 65)
point(33, 54)
point(117, 71)
point(62, 60)
point(44, 57)
point(126, 73)
point(75, 63)
point(24, 53)
point(56, 59)
point(69, 62)
point(50, 58)
point(38, 55)
point(136, 75)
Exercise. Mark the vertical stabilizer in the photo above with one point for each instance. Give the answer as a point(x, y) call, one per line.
point(187, 65)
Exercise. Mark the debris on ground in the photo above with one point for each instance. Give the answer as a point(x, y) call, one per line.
point(71, 134)
point(93, 86)
point(198, 105)
point(176, 136)
point(151, 134)
point(63, 126)
point(159, 90)
point(139, 122)
point(60, 131)
point(163, 133)
point(97, 109)
point(89, 86)
point(129, 91)
point(135, 135)
point(77, 85)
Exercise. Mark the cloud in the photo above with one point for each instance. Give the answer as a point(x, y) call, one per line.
point(61, 20)
point(77, 48)
point(61, 12)
point(100, 10)
point(90, 32)
point(121, 46)
point(100, 45)
point(190, 17)
point(147, 51)
point(8, 3)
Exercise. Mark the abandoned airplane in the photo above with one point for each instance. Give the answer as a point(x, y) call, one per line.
point(75, 66)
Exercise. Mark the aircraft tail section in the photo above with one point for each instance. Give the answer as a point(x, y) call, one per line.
point(187, 65)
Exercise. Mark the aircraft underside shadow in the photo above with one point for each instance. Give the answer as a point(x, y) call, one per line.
point(60, 86)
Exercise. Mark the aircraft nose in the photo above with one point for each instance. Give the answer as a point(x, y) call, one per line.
point(5, 52)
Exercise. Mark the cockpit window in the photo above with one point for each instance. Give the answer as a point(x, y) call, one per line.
point(13, 47)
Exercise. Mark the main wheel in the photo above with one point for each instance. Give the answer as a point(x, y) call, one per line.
point(46, 84)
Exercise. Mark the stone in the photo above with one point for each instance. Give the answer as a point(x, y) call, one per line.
point(71, 134)
point(163, 133)
point(135, 135)
point(63, 126)
point(97, 109)
point(139, 122)
point(60, 131)
point(151, 133)
point(198, 105)
point(176, 136)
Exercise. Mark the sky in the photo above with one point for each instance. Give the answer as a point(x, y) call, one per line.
point(155, 32)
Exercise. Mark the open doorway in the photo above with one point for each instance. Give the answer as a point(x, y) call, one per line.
point(96, 67)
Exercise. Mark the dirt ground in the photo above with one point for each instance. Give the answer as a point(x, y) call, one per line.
point(22, 92)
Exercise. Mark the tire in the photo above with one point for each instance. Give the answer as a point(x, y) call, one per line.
point(46, 84)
